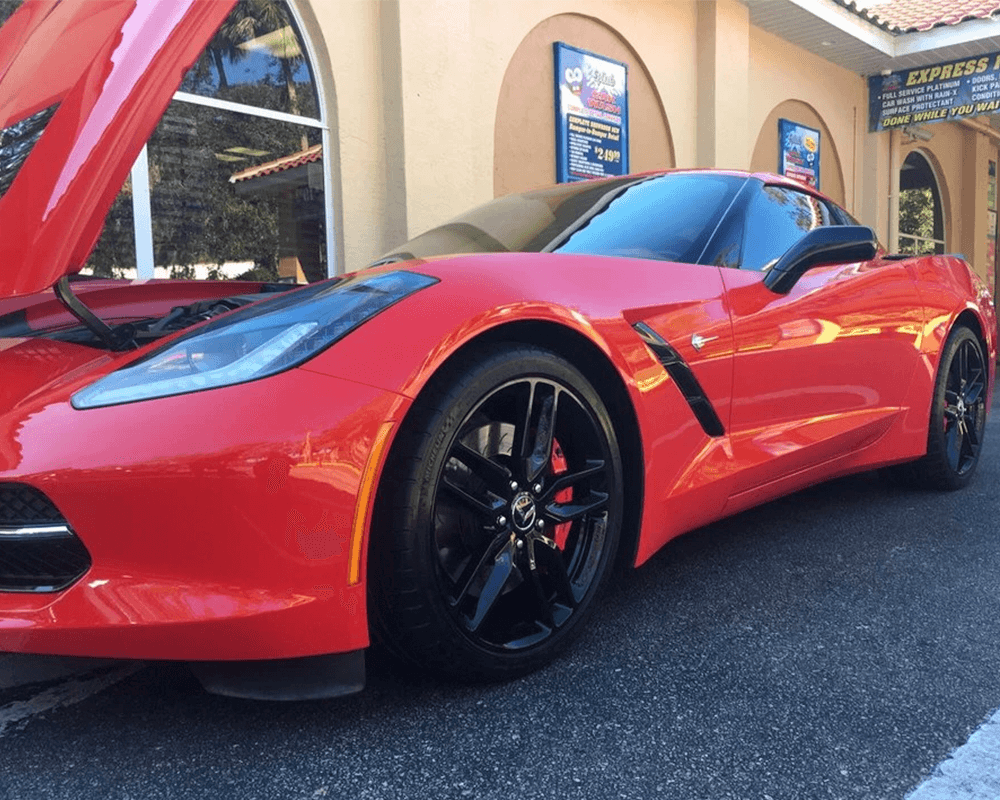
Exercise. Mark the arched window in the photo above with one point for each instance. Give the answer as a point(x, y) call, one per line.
point(231, 183)
point(921, 221)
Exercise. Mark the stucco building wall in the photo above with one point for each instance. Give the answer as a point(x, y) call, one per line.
point(945, 154)
point(438, 105)
point(456, 56)
point(524, 153)
point(356, 54)
point(786, 80)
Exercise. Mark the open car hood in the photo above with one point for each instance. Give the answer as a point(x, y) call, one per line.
point(82, 85)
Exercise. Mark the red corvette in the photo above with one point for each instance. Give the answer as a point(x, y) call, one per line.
point(450, 449)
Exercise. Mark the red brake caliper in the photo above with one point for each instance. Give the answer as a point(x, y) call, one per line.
point(559, 466)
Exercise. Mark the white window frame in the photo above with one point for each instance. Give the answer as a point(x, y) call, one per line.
point(141, 195)
point(911, 237)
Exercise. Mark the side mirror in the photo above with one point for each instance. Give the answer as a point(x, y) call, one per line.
point(827, 245)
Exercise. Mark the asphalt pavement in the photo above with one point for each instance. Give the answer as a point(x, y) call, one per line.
point(838, 643)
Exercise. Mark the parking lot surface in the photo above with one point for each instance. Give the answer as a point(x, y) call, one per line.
point(839, 643)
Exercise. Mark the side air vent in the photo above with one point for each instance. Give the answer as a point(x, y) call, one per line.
point(685, 379)
point(38, 550)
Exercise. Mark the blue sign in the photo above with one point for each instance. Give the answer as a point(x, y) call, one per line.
point(798, 152)
point(952, 90)
point(591, 115)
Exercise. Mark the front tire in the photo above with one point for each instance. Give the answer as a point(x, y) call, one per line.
point(498, 518)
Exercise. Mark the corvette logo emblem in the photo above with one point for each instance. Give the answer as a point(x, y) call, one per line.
point(523, 511)
point(698, 342)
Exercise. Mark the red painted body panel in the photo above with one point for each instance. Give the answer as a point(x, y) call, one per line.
point(947, 288)
point(220, 522)
point(117, 301)
point(223, 535)
point(222, 526)
point(822, 370)
point(478, 293)
point(690, 478)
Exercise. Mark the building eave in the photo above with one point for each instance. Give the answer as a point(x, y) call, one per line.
point(840, 35)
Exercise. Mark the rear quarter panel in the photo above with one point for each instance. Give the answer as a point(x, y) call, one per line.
point(948, 288)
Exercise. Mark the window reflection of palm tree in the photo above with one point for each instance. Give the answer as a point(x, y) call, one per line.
point(249, 20)
point(805, 208)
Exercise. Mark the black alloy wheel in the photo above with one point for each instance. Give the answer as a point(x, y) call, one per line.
point(964, 409)
point(508, 521)
point(958, 414)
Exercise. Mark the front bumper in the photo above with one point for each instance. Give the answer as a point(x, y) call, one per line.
point(218, 524)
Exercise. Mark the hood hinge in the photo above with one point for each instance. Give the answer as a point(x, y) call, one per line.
point(117, 339)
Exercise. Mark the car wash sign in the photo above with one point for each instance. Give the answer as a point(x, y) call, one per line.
point(591, 115)
point(937, 93)
point(798, 152)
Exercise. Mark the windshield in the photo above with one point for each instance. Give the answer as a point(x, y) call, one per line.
point(666, 217)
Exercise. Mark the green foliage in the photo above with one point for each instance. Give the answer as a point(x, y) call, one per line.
point(916, 212)
point(916, 218)
point(197, 215)
point(115, 250)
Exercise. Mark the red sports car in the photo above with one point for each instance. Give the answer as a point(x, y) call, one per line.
point(449, 450)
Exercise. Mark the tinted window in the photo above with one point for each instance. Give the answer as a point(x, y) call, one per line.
point(777, 219)
point(517, 223)
point(667, 217)
point(232, 192)
point(835, 214)
point(845, 218)
point(256, 58)
point(670, 219)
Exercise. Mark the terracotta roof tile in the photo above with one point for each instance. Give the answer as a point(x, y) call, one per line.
point(308, 156)
point(905, 16)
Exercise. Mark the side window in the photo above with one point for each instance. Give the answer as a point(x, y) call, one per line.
point(778, 217)
point(834, 214)
point(231, 183)
point(669, 218)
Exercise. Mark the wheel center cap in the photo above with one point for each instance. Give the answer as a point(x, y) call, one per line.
point(523, 511)
point(961, 406)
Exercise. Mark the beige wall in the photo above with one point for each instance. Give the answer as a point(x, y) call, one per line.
point(780, 72)
point(437, 105)
point(524, 153)
point(972, 212)
point(723, 84)
point(765, 152)
point(357, 56)
point(959, 157)
point(455, 56)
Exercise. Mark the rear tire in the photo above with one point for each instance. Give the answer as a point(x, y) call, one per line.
point(498, 518)
point(958, 415)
